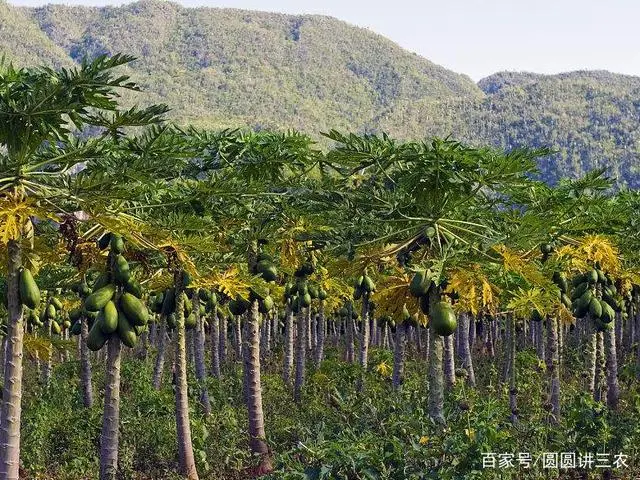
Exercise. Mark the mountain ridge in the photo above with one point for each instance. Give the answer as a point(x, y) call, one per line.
point(220, 67)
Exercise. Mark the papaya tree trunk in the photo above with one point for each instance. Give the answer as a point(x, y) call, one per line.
point(465, 351)
point(224, 330)
point(350, 335)
point(600, 384)
point(12, 391)
point(552, 369)
point(109, 437)
point(160, 357)
point(237, 338)
point(513, 387)
point(301, 343)
point(363, 357)
point(321, 335)
point(215, 344)
point(85, 365)
point(288, 345)
point(436, 377)
point(398, 356)
point(201, 370)
point(183, 428)
point(449, 361)
point(613, 387)
point(590, 357)
point(257, 437)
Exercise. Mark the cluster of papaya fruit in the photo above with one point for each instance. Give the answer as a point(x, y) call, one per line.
point(595, 293)
point(441, 314)
point(164, 303)
point(363, 285)
point(114, 306)
point(303, 291)
point(264, 266)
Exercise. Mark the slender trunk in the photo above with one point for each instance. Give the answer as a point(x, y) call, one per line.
point(12, 391)
point(85, 365)
point(288, 345)
point(215, 344)
point(513, 388)
point(162, 344)
point(600, 384)
point(191, 350)
point(436, 380)
point(363, 357)
point(321, 335)
point(350, 335)
point(201, 370)
point(552, 369)
point(183, 428)
point(590, 360)
point(540, 340)
point(398, 356)
point(224, 329)
point(465, 350)
point(109, 438)
point(613, 388)
point(237, 338)
point(309, 335)
point(48, 364)
point(257, 437)
point(449, 361)
point(472, 332)
point(301, 343)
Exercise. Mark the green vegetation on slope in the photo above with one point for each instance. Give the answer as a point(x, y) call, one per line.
point(225, 67)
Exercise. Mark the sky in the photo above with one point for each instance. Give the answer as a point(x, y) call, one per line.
point(481, 37)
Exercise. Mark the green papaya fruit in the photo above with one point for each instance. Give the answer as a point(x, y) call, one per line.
point(99, 298)
point(121, 270)
point(592, 276)
point(585, 299)
point(56, 303)
point(135, 311)
point(51, 312)
point(125, 331)
point(29, 291)
point(171, 321)
point(420, 284)
point(116, 243)
point(305, 300)
point(608, 313)
point(601, 276)
point(579, 290)
point(108, 318)
point(368, 285)
point(322, 294)
point(343, 312)
point(595, 308)
point(96, 339)
point(55, 327)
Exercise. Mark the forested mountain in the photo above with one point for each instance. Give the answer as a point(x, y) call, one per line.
point(226, 67)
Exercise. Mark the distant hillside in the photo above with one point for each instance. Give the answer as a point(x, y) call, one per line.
point(225, 67)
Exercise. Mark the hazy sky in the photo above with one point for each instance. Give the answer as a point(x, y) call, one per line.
point(480, 37)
